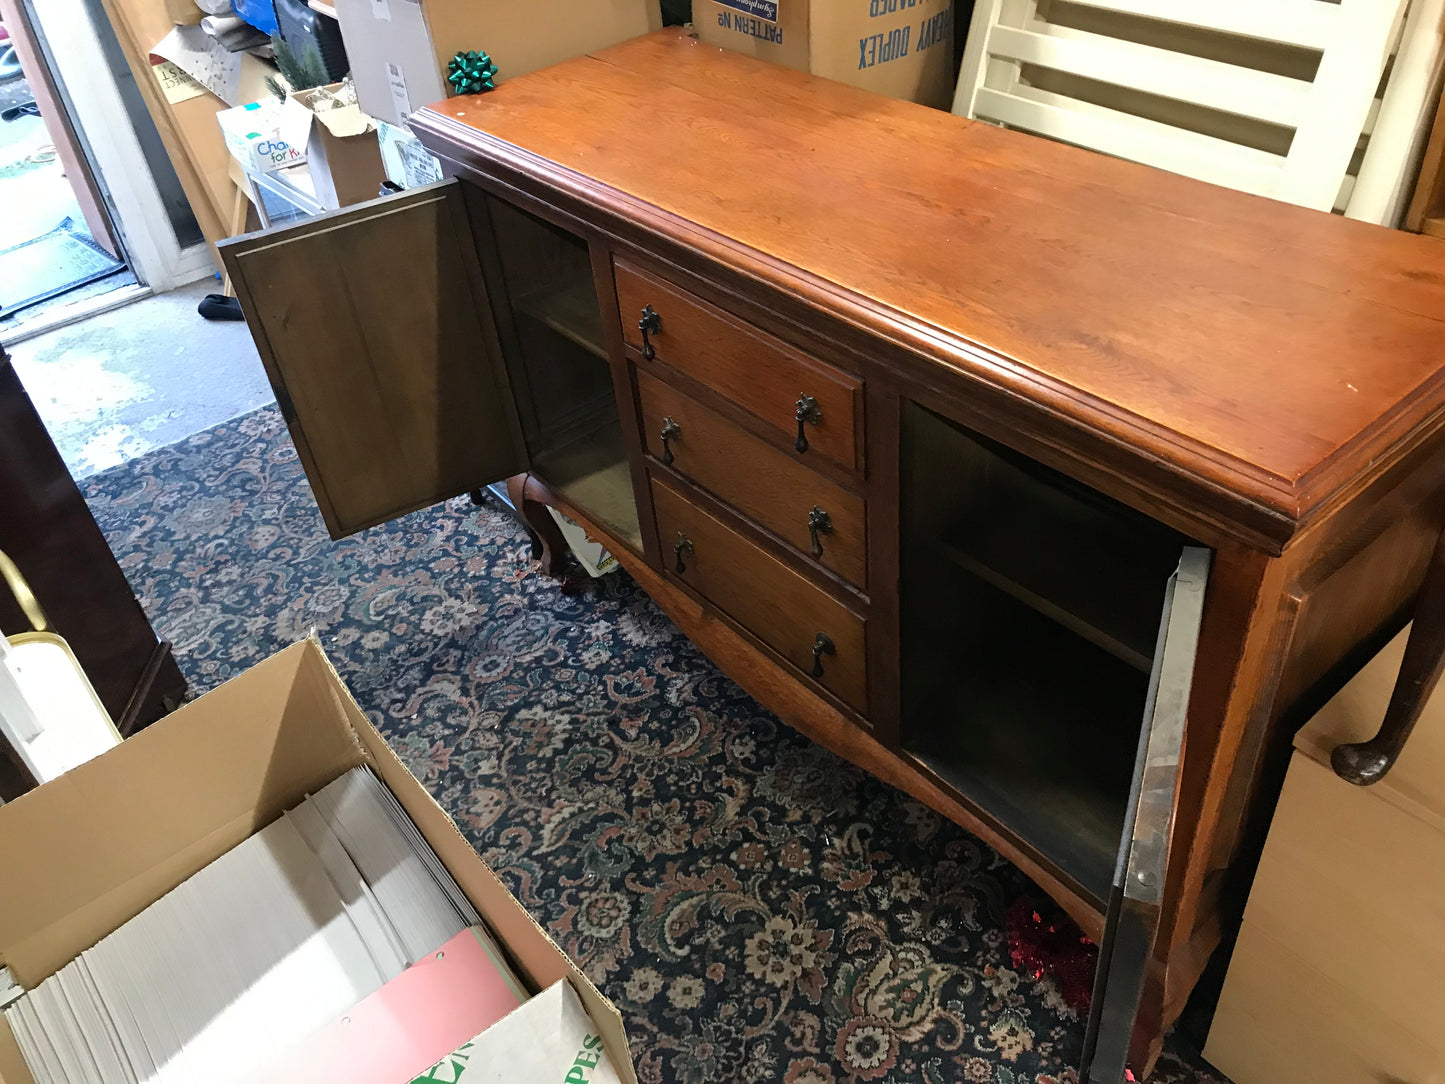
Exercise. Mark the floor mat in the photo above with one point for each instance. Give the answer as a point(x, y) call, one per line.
point(47, 266)
point(760, 911)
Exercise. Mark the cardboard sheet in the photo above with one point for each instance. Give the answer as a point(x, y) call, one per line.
point(205, 60)
point(175, 84)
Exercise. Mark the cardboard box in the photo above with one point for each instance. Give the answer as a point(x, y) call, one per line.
point(343, 153)
point(1338, 976)
point(399, 49)
point(87, 852)
point(901, 48)
point(254, 138)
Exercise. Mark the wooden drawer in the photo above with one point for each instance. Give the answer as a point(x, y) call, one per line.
point(758, 372)
point(770, 600)
point(763, 483)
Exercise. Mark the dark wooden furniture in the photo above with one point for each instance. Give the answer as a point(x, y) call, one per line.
point(982, 460)
point(47, 530)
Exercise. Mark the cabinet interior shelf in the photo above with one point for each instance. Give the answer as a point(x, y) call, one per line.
point(571, 311)
point(1110, 611)
point(592, 474)
point(1038, 726)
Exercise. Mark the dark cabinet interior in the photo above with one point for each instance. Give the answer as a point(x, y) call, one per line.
point(1031, 607)
point(551, 333)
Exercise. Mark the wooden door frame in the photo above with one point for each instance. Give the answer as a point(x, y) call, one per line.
point(59, 127)
point(139, 214)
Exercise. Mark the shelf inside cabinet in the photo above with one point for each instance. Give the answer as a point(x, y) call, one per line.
point(1084, 560)
point(591, 473)
point(571, 311)
point(1039, 727)
point(1099, 598)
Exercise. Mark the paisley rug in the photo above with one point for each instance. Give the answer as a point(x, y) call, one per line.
point(759, 910)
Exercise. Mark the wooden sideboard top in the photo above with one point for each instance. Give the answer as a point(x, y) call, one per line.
point(1275, 355)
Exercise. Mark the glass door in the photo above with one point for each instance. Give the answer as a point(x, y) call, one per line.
point(1030, 613)
point(1049, 636)
point(551, 325)
point(1131, 921)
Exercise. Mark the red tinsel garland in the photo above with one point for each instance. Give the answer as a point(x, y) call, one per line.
point(1043, 941)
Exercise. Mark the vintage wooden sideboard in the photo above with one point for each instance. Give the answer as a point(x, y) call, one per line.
point(982, 460)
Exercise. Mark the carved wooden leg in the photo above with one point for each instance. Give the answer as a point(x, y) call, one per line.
point(542, 526)
point(1367, 762)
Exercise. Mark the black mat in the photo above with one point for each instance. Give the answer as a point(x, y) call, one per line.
point(49, 265)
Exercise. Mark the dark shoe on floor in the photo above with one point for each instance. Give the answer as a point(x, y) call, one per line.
point(9, 64)
point(15, 112)
point(220, 307)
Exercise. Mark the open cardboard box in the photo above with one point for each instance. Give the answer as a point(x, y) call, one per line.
point(341, 145)
point(254, 136)
point(901, 48)
point(85, 853)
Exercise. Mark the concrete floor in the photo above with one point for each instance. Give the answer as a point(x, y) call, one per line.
point(34, 192)
point(114, 386)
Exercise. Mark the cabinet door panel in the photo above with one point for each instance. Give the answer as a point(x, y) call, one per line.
point(375, 329)
point(1132, 918)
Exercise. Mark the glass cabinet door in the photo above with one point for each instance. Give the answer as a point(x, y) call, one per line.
point(1131, 920)
point(550, 323)
point(1049, 636)
point(1030, 609)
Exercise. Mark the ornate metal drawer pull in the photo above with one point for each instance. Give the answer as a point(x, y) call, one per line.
point(681, 546)
point(822, 645)
point(670, 431)
point(650, 324)
point(807, 412)
point(819, 522)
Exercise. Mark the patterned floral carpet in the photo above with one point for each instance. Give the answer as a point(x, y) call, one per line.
point(760, 910)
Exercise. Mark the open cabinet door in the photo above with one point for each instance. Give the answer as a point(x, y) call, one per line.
point(375, 328)
point(1132, 920)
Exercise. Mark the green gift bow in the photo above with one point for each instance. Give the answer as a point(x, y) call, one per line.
point(471, 72)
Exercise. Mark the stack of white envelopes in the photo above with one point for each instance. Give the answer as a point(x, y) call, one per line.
point(254, 953)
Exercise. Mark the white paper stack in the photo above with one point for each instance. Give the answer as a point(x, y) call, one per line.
point(254, 953)
point(9, 988)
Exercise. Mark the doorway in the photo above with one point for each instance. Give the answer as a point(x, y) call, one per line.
point(57, 234)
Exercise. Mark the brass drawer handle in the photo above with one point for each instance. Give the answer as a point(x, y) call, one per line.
point(650, 324)
point(681, 546)
point(822, 645)
point(807, 412)
point(670, 431)
point(819, 522)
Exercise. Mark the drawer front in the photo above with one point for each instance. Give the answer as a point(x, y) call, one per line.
point(758, 372)
point(774, 603)
point(763, 483)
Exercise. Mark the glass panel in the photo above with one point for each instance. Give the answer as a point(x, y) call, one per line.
point(558, 362)
point(1030, 610)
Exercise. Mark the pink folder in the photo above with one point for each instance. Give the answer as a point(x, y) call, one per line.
point(415, 1020)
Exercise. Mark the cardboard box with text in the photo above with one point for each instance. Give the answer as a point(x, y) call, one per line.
point(901, 48)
